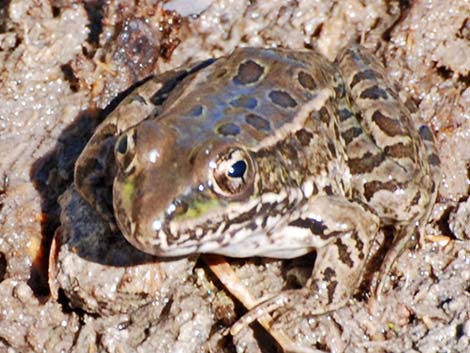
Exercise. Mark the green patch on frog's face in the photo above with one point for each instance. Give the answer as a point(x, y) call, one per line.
point(199, 208)
point(129, 189)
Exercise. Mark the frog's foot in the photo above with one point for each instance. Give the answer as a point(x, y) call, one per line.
point(401, 237)
point(307, 301)
point(347, 231)
point(230, 280)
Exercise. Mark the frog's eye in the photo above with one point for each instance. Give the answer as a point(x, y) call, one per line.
point(233, 174)
point(124, 150)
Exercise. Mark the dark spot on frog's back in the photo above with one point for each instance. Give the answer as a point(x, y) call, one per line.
point(282, 99)
point(244, 102)
point(371, 187)
point(434, 160)
point(196, 111)
point(363, 75)
point(344, 114)
point(374, 92)
point(324, 115)
point(365, 164)
point(304, 137)
point(229, 129)
point(343, 252)
point(399, 150)
point(340, 90)
point(425, 133)
point(331, 290)
point(248, 72)
point(257, 122)
point(315, 227)
point(351, 134)
point(329, 274)
point(307, 81)
point(390, 126)
point(359, 245)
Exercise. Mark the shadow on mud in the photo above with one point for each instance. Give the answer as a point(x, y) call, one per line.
point(68, 222)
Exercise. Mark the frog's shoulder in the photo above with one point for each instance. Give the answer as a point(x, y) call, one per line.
point(95, 167)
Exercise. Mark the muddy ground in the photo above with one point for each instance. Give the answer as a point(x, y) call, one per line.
point(62, 63)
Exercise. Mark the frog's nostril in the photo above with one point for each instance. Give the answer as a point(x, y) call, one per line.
point(177, 208)
point(181, 207)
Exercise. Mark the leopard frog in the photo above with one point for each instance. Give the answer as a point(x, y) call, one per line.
point(266, 152)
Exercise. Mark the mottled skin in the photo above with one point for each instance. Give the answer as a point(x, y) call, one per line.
point(266, 152)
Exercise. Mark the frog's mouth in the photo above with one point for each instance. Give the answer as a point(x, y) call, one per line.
point(207, 223)
point(197, 224)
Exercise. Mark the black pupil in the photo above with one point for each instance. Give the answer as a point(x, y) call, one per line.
point(237, 170)
point(122, 144)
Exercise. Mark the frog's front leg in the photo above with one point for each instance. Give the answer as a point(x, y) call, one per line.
point(342, 231)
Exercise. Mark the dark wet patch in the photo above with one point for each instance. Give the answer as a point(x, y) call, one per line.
point(70, 77)
point(95, 12)
point(3, 266)
point(248, 72)
point(307, 81)
point(162, 94)
point(282, 99)
point(229, 129)
point(257, 122)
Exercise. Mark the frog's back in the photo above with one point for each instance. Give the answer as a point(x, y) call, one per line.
point(250, 96)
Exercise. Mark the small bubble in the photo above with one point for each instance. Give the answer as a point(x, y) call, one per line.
point(157, 225)
point(153, 156)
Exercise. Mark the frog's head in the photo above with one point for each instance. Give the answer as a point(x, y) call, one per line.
point(174, 196)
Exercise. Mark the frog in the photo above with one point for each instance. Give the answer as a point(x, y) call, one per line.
point(269, 152)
